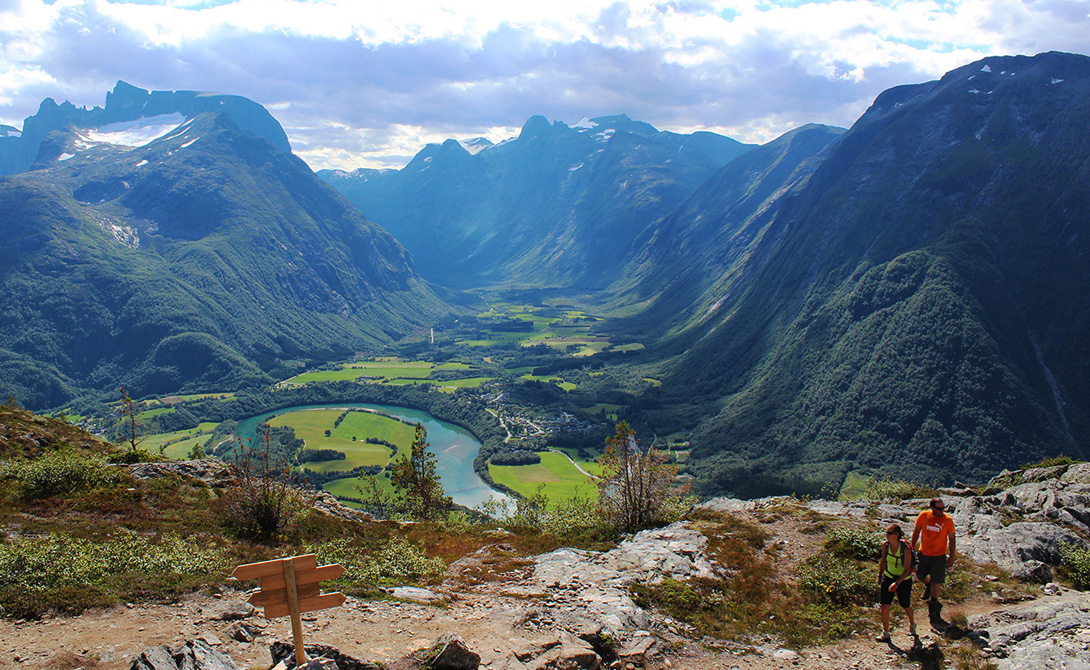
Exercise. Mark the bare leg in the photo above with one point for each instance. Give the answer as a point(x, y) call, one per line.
point(936, 590)
point(911, 617)
point(885, 618)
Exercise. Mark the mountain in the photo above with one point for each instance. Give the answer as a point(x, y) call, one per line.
point(126, 107)
point(916, 304)
point(193, 261)
point(557, 206)
point(685, 264)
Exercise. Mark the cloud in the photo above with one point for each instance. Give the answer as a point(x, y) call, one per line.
point(369, 83)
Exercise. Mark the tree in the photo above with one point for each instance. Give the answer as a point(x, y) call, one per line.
point(262, 505)
point(635, 483)
point(418, 493)
point(128, 416)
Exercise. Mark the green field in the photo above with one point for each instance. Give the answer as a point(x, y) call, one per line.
point(177, 443)
point(855, 484)
point(555, 327)
point(310, 426)
point(394, 372)
point(346, 487)
point(567, 386)
point(562, 481)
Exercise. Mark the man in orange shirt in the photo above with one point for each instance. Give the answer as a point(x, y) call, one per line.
point(935, 532)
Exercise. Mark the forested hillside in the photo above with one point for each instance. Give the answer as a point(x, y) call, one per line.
point(193, 262)
point(917, 306)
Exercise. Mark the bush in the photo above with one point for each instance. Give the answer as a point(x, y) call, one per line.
point(826, 579)
point(60, 473)
point(68, 574)
point(896, 490)
point(1075, 563)
point(396, 562)
point(855, 543)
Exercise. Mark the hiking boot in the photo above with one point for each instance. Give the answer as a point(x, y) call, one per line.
point(884, 637)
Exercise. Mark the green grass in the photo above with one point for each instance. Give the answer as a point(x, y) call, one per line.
point(310, 426)
point(567, 386)
point(177, 443)
point(374, 370)
point(469, 382)
point(147, 414)
point(854, 486)
point(562, 481)
point(346, 488)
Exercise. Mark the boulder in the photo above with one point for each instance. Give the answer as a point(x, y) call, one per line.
point(450, 652)
point(1040, 635)
point(209, 471)
point(191, 655)
point(283, 654)
point(415, 594)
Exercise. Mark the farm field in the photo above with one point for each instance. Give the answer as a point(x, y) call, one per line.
point(179, 443)
point(555, 327)
point(346, 488)
point(310, 426)
point(394, 372)
point(561, 479)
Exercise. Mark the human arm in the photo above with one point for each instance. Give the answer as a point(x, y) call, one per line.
point(953, 548)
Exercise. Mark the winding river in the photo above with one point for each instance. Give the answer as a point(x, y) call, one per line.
point(454, 447)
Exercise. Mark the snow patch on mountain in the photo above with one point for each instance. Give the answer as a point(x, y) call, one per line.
point(476, 145)
point(985, 69)
point(136, 133)
point(584, 124)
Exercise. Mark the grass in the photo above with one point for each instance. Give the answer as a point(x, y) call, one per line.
point(562, 481)
point(179, 443)
point(567, 386)
point(310, 426)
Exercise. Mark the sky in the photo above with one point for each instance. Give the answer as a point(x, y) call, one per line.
point(362, 83)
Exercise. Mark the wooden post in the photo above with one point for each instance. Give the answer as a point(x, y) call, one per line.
point(293, 607)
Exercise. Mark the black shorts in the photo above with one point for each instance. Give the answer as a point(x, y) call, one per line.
point(904, 591)
point(931, 565)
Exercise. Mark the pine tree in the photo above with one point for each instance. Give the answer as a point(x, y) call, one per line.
point(416, 481)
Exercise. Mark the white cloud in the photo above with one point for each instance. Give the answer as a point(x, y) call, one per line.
point(368, 83)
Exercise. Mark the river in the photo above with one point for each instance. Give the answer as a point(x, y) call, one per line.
point(454, 448)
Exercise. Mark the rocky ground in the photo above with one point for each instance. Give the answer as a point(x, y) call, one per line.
point(547, 610)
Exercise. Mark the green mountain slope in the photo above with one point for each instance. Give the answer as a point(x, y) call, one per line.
point(558, 206)
point(194, 262)
point(918, 306)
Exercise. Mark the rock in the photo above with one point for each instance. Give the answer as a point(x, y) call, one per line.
point(228, 610)
point(283, 654)
point(637, 648)
point(153, 658)
point(415, 594)
point(1036, 636)
point(243, 633)
point(208, 471)
point(1024, 549)
point(785, 655)
point(321, 664)
point(329, 504)
point(199, 655)
point(451, 653)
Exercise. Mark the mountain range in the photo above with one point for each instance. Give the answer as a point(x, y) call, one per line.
point(912, 298)
point(557, 206)
point(185, 250)
point(906, 296)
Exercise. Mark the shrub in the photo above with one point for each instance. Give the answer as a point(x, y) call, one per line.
point(60, 473)
point(855, 543)
point(896, 490)
point(1075, 562)
point(262, 504)
point(397, 561)
point(69, 574)
point(826, 579)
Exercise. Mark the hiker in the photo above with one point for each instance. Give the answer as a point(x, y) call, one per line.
point(895, 576)
point(935, 533)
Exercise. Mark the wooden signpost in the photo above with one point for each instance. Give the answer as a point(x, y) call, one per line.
point(290, 586)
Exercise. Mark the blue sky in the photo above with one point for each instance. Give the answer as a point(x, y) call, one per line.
point(358, 83)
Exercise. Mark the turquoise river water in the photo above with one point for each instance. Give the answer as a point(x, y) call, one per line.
point(454, 448)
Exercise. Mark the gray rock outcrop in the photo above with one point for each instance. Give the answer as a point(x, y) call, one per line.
point(1054, 633)
point(192, 655)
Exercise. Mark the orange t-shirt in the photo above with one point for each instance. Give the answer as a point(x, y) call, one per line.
point(934, 531)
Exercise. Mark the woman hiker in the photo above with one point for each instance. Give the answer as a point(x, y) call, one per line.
point(895, 576)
